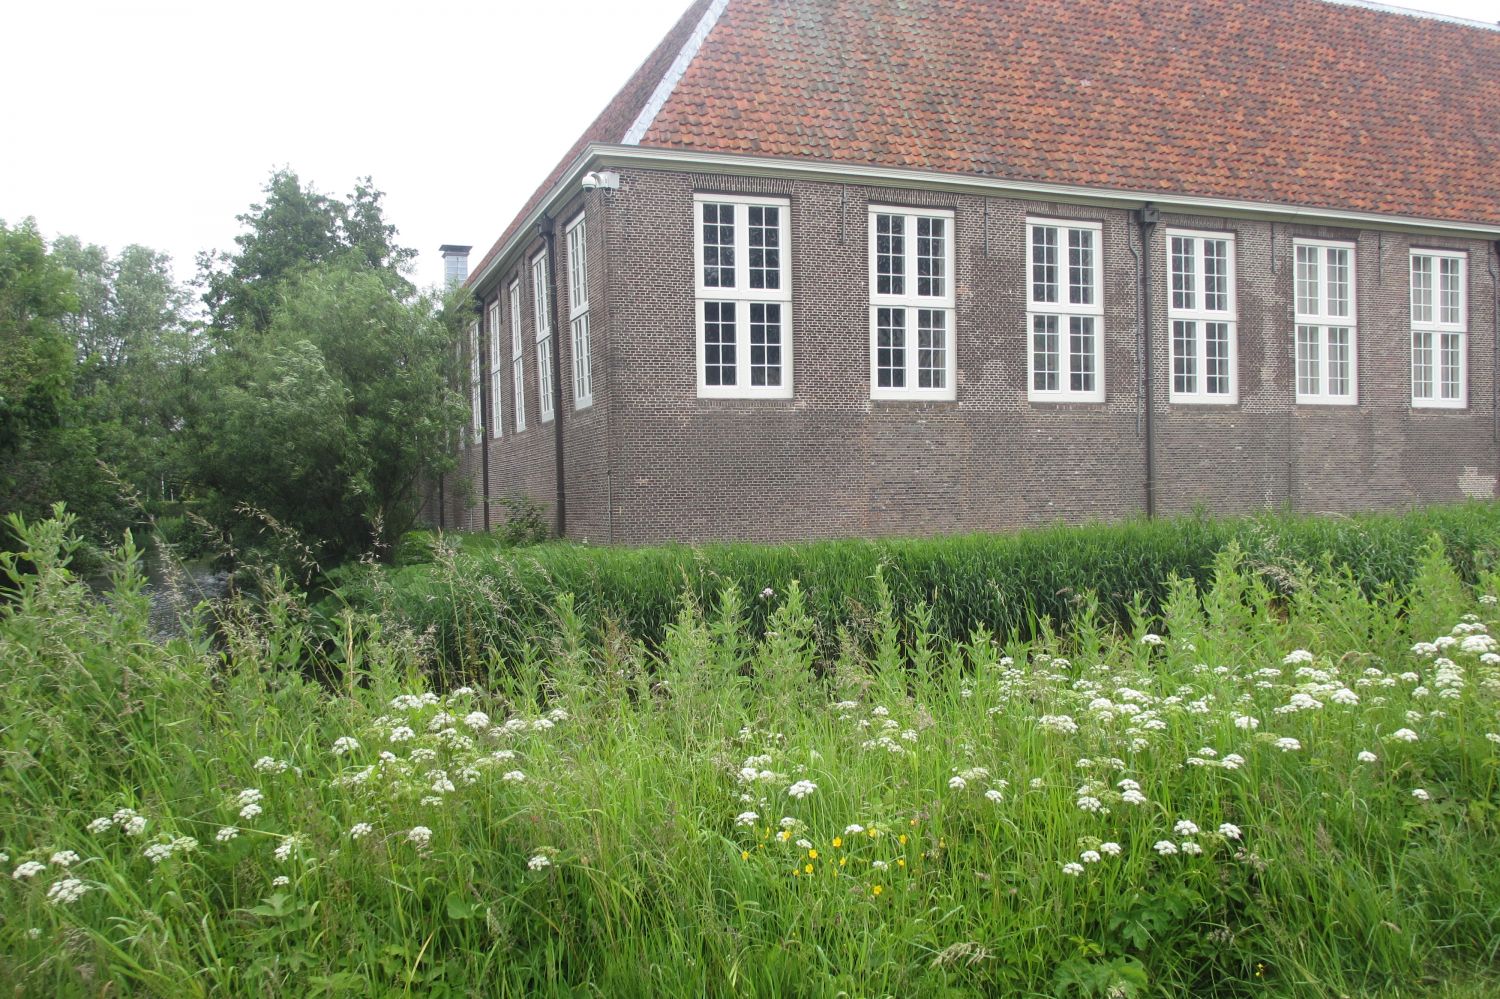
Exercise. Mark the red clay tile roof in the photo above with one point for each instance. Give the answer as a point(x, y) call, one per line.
point(1288, 102)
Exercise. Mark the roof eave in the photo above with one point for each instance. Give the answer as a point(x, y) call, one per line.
point(606, 154)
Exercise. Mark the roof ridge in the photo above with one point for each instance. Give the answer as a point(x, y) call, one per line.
point(1425, 15)
point(674, 73)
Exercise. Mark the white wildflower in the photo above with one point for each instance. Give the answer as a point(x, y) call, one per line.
point(1296, 656)
point(801, 789)
point(1420, 794)
point(1287, 744)
point(100, 825)
point(477, 720)
point(360, 830)
point(1165, 847)
point(1404, 735)
point(1110, 849)
point(1090, 856)
point(250, 811)
point(1365, 756)
point(746, 819)
point(993, 795)
point(1152, 639)
point(1072, 870)
point(280, 881)
point(226, 834)
point(513, 777)
point(63, 858)
point(420, 835)
point(1185, 827)
point(1229, 830)
point(66, 892)
point(1191, 849)
point(28, 869)
point(538, 862)
point(957, 783)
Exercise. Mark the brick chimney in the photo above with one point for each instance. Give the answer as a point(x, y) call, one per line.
point(455, 263)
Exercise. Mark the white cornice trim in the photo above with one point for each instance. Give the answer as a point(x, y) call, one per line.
point(600, 154)
point(1425, 15)
point(674, 73)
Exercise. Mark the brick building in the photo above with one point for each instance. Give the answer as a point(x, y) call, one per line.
point(857, 267)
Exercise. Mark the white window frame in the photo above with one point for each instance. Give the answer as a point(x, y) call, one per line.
point(1322, 321)
point(476, 403)
point(1065, 312)
point(1436, 328)
point(497, 371)
point(1201, 316)
point(542, 323)
point(743, 298)
point(912, 305)
point(517, 356)
point(578, 313)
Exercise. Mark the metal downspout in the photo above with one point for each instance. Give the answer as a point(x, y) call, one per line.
point(1495, 340)
point(548, 230)
point(1149, 216)
point(486, 409)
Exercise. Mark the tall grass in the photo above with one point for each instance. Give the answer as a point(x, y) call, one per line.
point(1177, 805)
point(474, 596)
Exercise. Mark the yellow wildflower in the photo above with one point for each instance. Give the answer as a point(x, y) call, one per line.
point(812, 854)
point(843, 861)
point(808, 868)
point(838, 841)
point(744, 854)
point(876, 890)
point(901, 839)
point(900, 861)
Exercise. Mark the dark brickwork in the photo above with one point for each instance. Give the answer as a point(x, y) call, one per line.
point(651, 461)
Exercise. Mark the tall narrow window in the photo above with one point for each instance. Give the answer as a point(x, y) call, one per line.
point(1439, 330)
point(1065, 311)
point(911, 304)
point(1202, 317)
point(578, 314)
point(497, 370)
point(517, 357)
point(542, 318)
point(1326, 325)
point(476, 409)
point(744, 296)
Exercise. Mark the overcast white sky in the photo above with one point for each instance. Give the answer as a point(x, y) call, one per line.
point(129, 121)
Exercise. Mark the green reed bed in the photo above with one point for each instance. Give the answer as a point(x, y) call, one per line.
point(1259, 790)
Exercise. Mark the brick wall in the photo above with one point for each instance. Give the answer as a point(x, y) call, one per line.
point(651, 461)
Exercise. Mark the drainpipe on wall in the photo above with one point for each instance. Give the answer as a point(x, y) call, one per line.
point(1495, 338)
point(486, 409)
point(1140, 336)
point(548, 232)
point(1150, 215)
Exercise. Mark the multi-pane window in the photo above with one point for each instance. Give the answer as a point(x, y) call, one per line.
point(911, 304)
point(1201, 316)
point(1326, 339)
point(497, 371)
point(517, 357)
point(1439, 330)
point(744, 296)
point(476, 411)
point(578, 314)
point(1064, 311)
point(542, 318)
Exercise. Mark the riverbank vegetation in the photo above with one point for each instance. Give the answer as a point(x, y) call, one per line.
point(1282, 780)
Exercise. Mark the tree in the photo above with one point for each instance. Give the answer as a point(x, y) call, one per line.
point(330, 419)
point(293, 229)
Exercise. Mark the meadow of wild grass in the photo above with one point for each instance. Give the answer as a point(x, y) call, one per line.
point(1265, 788)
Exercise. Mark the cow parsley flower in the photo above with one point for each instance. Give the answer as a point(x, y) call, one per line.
point(1089, 803)
point(957, 783)
point(402, 733)
point(250, 811)
point(1133, 797)
point(1191, 849)
point(1365, 756)
point(852, 829)
point(1058, 723)
point(67, 891)
point(280, 881)
point(994, 795)
point(1110, 849)
point(420, 835)
point(538, 862)
point(801, 789)
point(100, 825)
point(1296, 656)
point(1404, 735)
point(1185, 827)
point(268, 765)
point(1229, 830)
point(28, 869)
point(1287, 744)
point(1165, 847)
point(1152, 639)
point(1090, 856)
point(345, 744)
point(157, 852)
point(513, 777)
point(226, 834)
point(1072, 870)
point(1420, 794)
point(477, 720)
point(1344, 696)
point(64, 858)
point(360, 830)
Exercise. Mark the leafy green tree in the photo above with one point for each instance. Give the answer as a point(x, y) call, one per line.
point(331, 419)
point(36, 360)
point(292, 229)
